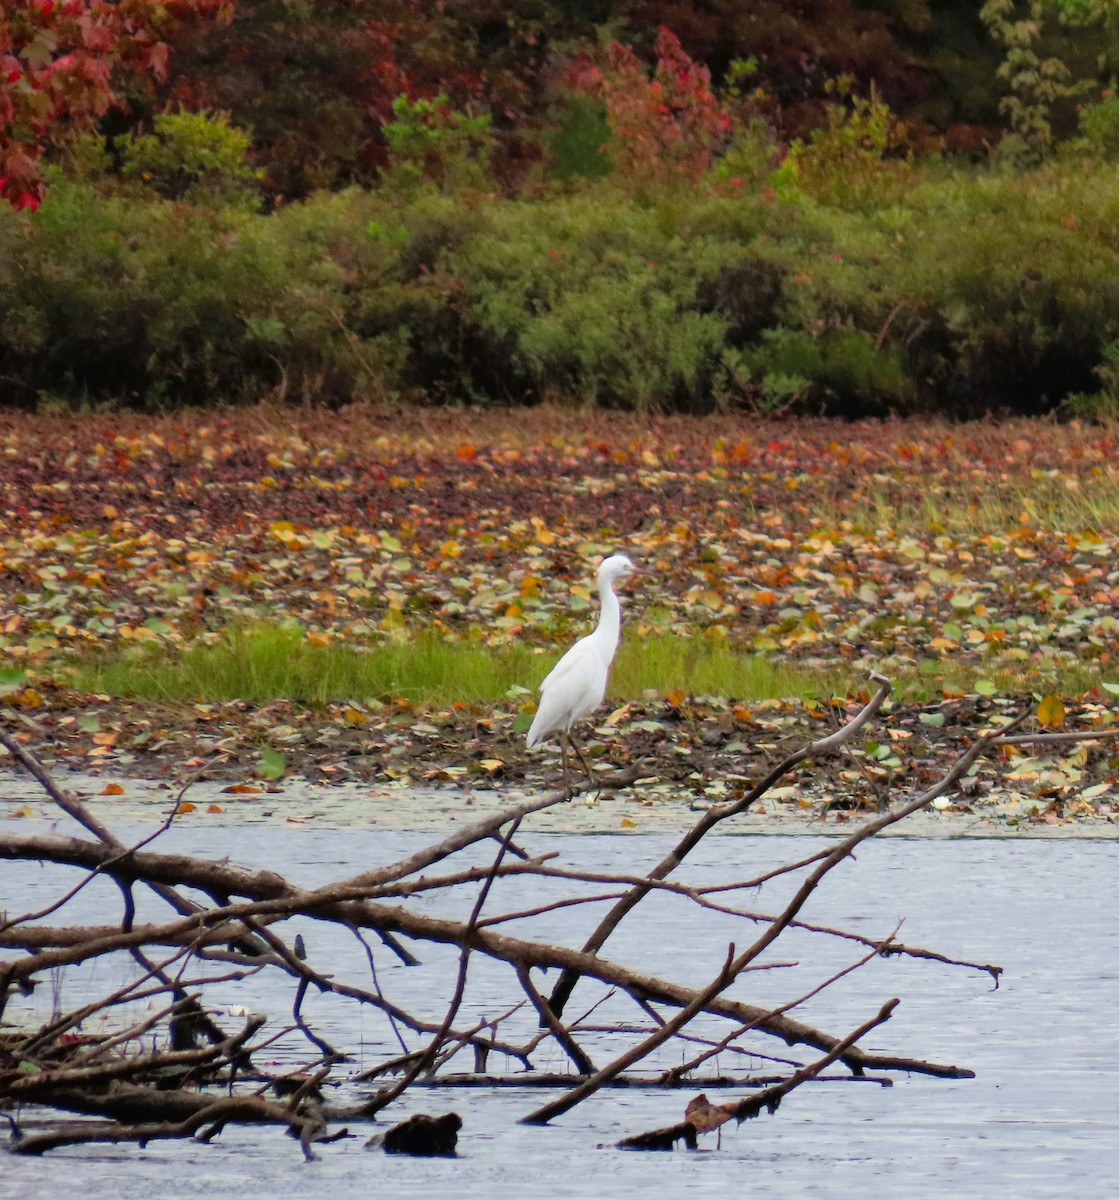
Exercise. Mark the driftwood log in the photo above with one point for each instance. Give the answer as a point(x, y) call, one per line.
point(163, 1063)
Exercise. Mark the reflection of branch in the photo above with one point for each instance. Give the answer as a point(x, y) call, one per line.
point(31, 1087)
point(730, 971)
point(557, 1029)
point(771, 1096)
point(588, 1087)
point(218, 1112)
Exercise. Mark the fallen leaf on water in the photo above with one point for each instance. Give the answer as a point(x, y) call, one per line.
point(112, 789)
point(273, 765)
point(242, 789)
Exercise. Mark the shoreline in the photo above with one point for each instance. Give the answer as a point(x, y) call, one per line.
point(401, 807)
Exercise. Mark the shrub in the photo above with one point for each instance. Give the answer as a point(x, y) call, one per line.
point(965, 291)
point(161, 303)
point(599, 304)
point(845, 163)
point(840, 366)
point(429, 142)
point(1099, 124)
point(198, 157)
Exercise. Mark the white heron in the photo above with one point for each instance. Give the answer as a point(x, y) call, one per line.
point(576, 685)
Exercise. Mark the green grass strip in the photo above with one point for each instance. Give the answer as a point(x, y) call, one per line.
point(266, 662)
point(261, 663)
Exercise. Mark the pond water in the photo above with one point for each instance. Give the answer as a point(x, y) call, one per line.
point(1039, 1120)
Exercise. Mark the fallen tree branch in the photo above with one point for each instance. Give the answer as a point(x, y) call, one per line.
point(150, 1073)
point(713, 817)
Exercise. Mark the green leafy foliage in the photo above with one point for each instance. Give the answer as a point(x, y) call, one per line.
point(430, 142)
point(577, 148)
point(844, 164)
point(1099, 122)
point(151, 302)
point(849, 277)
point(600, 305)
point(199, 157)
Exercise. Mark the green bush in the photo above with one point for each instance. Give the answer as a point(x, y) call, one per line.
point(966, 290)
point(841, 366)
point(598, 303)
point(157, 303)
point(198, 157)
point(1099, 124)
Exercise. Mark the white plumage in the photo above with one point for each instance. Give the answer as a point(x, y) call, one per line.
point(576, 685)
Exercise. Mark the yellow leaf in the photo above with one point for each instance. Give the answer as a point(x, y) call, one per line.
point(676, 697)
point(112, 789)
point(1051, 712)
point(543, 535)
point(628, 824)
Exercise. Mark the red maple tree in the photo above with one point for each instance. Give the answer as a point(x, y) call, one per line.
point(59, 61)
point(668, 126)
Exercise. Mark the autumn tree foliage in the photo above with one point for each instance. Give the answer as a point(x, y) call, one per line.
point(60, 62)
point(666, 127)
point(316, 83)
point(799, 47)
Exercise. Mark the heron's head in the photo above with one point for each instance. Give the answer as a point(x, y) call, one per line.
point(617, 566)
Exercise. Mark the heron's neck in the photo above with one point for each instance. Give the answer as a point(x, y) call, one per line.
point(609, 626)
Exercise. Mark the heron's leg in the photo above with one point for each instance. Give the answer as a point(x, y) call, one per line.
point(563, 758)
point(586, 765)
